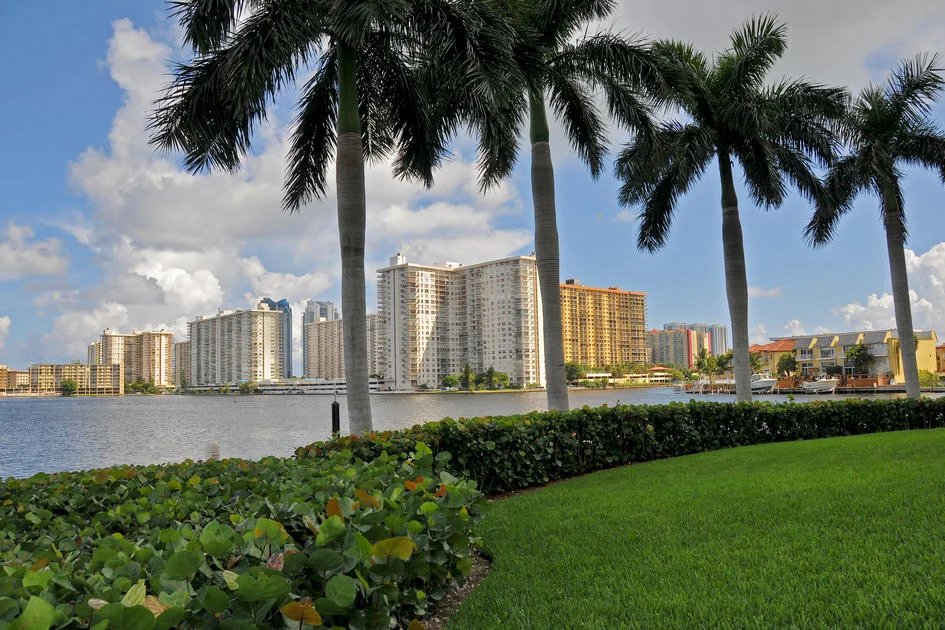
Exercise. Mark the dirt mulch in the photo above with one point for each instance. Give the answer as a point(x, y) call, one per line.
point(437, 618)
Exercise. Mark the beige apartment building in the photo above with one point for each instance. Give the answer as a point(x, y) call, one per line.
point(236, 346)
point(678, 347)
point(182, 364)
point(603, 326)
point(144, 355)
point(91, 379)
point(325, 348)
point(436, 318)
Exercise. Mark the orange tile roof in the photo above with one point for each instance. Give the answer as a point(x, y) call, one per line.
point(782, 345)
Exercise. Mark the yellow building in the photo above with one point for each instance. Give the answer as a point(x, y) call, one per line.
point(91, 380)
point(814, 354)
point(771, 353)
point(603, 326)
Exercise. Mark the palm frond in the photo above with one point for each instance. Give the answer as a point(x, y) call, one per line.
point(762, 175)
point(914, 86)
point(806, 116)
point(685, 72)
point(313, 139)
point(208, 23)
point(574, 106)
point(557, 20)
point(846, 178)
point(922, 145)
point(756, 46)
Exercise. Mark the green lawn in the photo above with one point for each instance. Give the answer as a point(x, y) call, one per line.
point(825, 533)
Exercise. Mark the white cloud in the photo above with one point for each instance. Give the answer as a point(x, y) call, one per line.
point(758, 334)
point(73, 331)
point(23, 257)
point(761, 292)
point(794, 328)
point(4, 329)
point(293, 287)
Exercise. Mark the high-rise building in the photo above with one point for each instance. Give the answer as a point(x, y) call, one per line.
point(326, 348)
point(603, 326)
point(718, 332)
point(436, 318)
point(236, 346)
point(145, 355)
point(284, 306)
point(315, 311)
point(182, 364)
point(679, 347)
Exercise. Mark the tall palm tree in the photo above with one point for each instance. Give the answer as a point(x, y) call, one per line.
point(887, 127)
point(366, 99)
point(565, 72)
point(776, 133)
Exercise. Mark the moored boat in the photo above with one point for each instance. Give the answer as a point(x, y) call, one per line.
point(761, 384)
point(821, 385)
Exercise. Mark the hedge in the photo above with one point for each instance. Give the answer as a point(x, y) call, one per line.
point(337, 542)
point(510, 453)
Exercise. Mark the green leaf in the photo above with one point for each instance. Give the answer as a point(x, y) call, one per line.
point(429, 507)
point(37, 578)
point(135, 595)
point(332, 527)
point(38, 615)
point(182, 565)
point(397, 547)
point(342, 590)
point(215, 600)
point(326, 560)
point(124, 618)
point(231, 580)
point(273, 586)
point(218, 539)
point(170, 618)
point(270, 530)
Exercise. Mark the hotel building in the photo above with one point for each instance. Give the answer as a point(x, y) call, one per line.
point(236, 346)
point(315, 312)
point(603, 326)
point(436, 318)
point(325, 349)
point(145, 356)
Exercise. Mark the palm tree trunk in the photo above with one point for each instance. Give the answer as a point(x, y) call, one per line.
point(546, 253)
point(349, 179)
point(900, 287)
point(736, 280)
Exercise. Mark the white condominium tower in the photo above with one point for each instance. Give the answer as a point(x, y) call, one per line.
point(145, 356)
point(315, 311)
point(325, 348)
point(436, 318)
point(236, 346)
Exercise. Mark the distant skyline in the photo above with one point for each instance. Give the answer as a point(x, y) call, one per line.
point(98, 231)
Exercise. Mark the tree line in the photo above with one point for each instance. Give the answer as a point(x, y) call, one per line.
point(400, 78)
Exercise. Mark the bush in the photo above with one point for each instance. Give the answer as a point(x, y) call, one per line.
point(509, 453)
point(235, 544)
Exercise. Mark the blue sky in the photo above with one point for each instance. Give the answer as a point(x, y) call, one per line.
point(97, 230)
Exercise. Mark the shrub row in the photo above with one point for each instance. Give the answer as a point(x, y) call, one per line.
point(514, 452)
point(276, 543)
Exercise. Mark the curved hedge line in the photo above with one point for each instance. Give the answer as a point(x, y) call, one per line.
point(338, 542)
point(515, 452)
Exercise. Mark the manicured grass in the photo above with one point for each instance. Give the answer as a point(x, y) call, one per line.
point(825, 533)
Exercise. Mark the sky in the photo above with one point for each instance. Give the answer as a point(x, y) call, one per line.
point(97, 230)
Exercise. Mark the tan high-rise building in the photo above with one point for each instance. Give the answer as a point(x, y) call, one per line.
point(325, 348)
point(15, 380)
point(678, 347)
point(236, 346)
point(90, 379)
point(144, 355)
point(437, 318)
point(182, 364)
point(603, 326)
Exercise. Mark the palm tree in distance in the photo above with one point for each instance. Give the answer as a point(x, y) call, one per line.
point(566, 73)
point(776, 133)
point(888, 127)
point(366, 99)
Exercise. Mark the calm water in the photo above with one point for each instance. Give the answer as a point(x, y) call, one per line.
point(55, 434)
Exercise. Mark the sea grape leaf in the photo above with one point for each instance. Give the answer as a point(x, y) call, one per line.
point(270, 530)
point(325, 560)
point(215, 600)
point(332, 527)
point(125, 618)
point(182, 565)
point(38, 615)
point(397, 547)
point(217, 539)
point(306, 613)
point(135, 595)
point(342, 590)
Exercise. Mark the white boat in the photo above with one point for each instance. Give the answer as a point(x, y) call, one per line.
point(820, 385)
point(761, 384)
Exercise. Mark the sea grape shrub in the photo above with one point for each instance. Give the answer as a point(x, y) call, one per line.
point(510, 453)
point(336, 542)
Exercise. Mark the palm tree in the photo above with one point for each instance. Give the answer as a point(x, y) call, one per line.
point(776, 133)
point(565, 74)
point(366, 98)
point(887, 127)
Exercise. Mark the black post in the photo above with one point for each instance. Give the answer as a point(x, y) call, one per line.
point(335, 418)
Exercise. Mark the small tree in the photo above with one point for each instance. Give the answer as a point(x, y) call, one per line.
point(574, 371)
point(786, 364)
point(68, 387)
point(757, 362)
point(467, 378)
point(502, 380)
point(928, 379)
point(860, 358)
point(450, 380)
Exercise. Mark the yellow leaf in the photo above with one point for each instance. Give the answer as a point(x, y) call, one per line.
point(95, 603)
point(193, 481)
point(153, 604)
point(135, 595)
point(306, 613)
point(415, 625)
point(367, 499)
point(230, 578)
point(102, 476)
point(334, 508)
point(397, 547)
